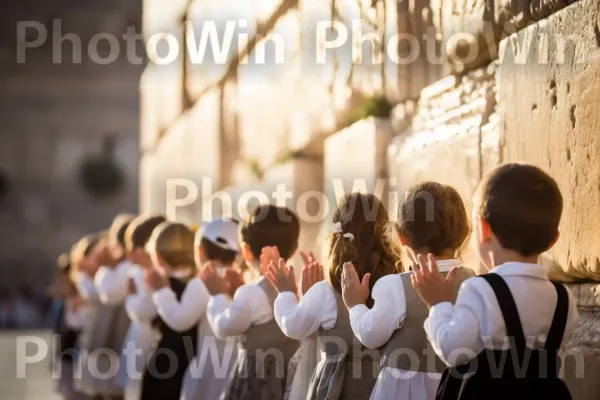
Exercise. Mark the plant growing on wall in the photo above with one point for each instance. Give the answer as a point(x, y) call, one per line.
point(101, 175)
point(376, 106)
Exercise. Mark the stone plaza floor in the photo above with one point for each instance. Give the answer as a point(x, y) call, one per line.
point(35, 381)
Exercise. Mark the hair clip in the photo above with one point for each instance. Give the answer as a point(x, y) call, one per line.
point(336, 227)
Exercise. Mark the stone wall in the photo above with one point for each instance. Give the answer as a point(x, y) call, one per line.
point(54, 115)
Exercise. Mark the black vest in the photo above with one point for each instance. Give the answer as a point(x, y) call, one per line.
point(519, 372)
point(171, 356)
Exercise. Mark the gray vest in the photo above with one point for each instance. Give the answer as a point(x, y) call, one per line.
point(267, 339)
point(408, 348)
point(350, 370)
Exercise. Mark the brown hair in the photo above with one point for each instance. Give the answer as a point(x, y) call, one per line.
point(140, 229)
point(434, 217)
point(372, 250)
point(269, 225)
point(173, 243)
point(523, 206)
point(215, 253)
point(116, 233)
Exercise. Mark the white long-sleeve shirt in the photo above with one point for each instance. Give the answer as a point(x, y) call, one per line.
point(112, 283)
point(300, 319)
point(475, 322)
point(181, 315)
point(86, 287)
point(232, 317)
point(374, 327)
point(139, 306)
point(76, 318)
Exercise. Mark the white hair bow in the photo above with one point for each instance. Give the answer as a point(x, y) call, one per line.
point(336, 227)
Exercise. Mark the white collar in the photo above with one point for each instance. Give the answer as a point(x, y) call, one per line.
point(520, 268)
point(446, 265)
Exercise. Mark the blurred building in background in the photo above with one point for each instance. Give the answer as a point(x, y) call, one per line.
point(465, 85)
point(64, 125)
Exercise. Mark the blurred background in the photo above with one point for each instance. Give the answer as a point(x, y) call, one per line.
point(88, 132)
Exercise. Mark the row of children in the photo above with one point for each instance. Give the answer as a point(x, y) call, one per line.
point(373, 328)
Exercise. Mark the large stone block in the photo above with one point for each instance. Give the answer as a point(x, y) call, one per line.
point(189, 152)
point(356, 160)
point(472, 29)
point(548, 117)
point(453, 138)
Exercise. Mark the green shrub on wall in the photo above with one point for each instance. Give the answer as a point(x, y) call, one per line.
point(376, 106)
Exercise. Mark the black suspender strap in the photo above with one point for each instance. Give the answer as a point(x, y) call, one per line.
point(559, 322)
point(514, 329)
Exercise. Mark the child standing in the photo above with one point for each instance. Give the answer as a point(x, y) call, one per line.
point(69, 319)
point(514, 314)
point(433, 220)
point(263, 350)
point(360, 236)
point(171, 247)
point(138, 303)
point(207, 378)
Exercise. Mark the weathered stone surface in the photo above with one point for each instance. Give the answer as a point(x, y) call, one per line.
point(189, 150)
point(479, 25)
point(581, 362)
point(548, 118)
point(355, 160)
point(161, 92)
point(453, 138)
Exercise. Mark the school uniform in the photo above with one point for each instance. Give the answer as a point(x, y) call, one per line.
point(477, 323)
point(67, 325)
point(250, 316)
point(172, 353)
point(207, 376)
point(346, 369)
point(410, 370)
point(140, 336)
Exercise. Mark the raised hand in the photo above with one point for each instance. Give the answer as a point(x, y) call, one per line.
point(430, 284)
point(141, 258)
point(354, 291)
point(155, 279)
point(312, 272)
point(282, 277)
point(214, 284)
point(268, 255)
point(233, 280)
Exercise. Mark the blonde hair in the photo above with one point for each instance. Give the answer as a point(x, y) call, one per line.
point(173, 243)
point(83, 248)
point(372, 249)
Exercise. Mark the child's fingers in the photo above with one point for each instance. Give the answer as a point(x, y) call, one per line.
point(451, 275)
point(365, 282)
point(305, 258)
point(422, 264)
point(312, 256)
point(415, 282)
point(433, 264)
point(350, 273)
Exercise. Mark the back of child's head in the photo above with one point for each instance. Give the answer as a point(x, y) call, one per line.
point(138, 232)
point(83, 249)
point(269, 225)
point(433, 219)
point(522, 205)
point(63, 263)
point(362, 236)
point(116, 233)
point(173, 242)
point(218, 241)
